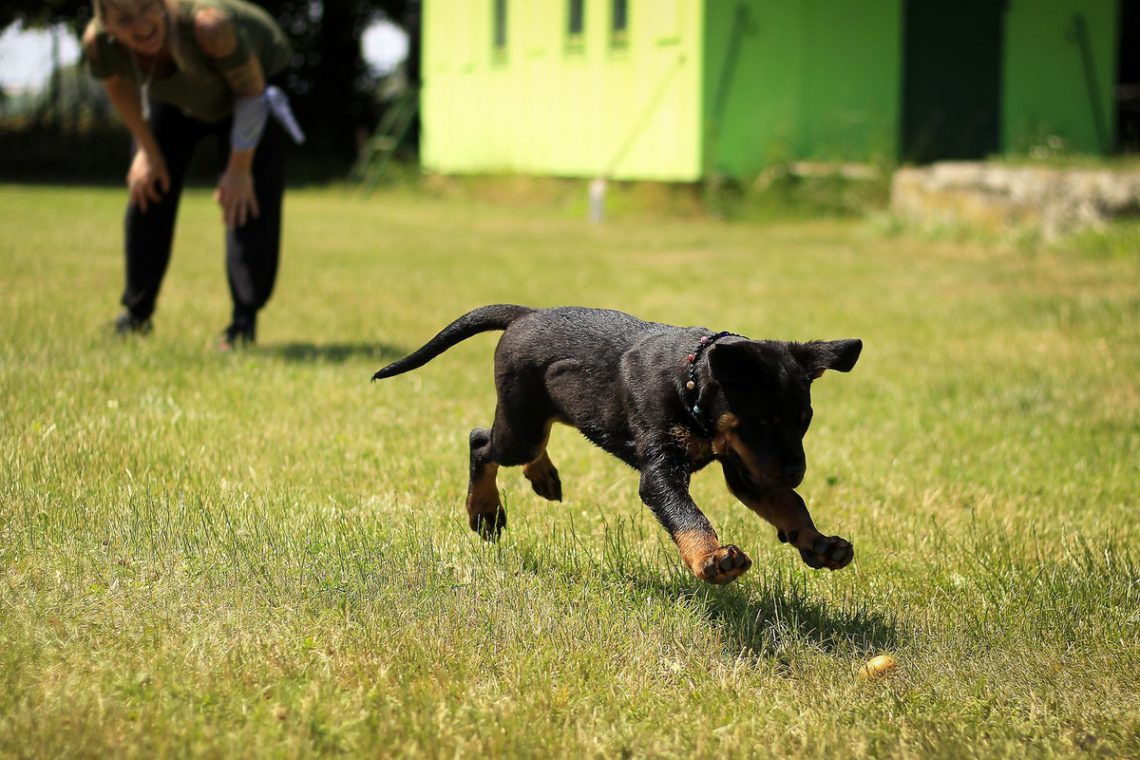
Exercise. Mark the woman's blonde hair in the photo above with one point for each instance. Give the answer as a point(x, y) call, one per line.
point(174, 41)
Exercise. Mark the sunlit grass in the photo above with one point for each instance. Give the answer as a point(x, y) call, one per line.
point(265, 554)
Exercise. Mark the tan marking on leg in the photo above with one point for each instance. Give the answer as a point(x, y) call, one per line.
point(483, 494)
point(709, 561)
point(787, 512)
point(695, 546)
point(542, 473)
point(543, 477)
point(539, 469)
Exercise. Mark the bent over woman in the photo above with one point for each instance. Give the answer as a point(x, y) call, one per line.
point(177, 71)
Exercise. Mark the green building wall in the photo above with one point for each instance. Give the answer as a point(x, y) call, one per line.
point(1054, 86)
point(800, 79)
point(546, 104)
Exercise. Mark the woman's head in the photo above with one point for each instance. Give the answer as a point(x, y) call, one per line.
point(141, 25)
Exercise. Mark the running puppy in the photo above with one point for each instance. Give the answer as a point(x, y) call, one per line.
point(665, 400)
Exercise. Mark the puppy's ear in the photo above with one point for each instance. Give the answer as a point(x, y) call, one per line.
point(741, 363)
point(820, 355)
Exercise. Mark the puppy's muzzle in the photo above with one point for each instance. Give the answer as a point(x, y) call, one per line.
point(787, 475)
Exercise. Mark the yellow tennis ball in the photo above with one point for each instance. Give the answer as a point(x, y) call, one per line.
point(877, 667)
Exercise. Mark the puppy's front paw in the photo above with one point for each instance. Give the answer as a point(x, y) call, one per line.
point(724, 565)
point(831, 552)
point(488, 524)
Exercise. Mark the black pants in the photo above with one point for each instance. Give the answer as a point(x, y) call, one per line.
point(251, 250)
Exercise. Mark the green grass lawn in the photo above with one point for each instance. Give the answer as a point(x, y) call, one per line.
point(265, 554)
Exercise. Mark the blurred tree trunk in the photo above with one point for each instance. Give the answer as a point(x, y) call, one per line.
point(337, 96)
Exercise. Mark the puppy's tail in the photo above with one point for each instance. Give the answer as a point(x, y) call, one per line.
point(483, 319)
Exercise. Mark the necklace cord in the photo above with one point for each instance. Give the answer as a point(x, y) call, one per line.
point(692, 392)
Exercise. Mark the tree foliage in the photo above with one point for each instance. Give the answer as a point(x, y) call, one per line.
point(43, 12)
point(329, 84)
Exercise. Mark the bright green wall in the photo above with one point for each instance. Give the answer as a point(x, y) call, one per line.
point(1044, 86)
point(852, 80)
point(547, 106)
point(753, 78)
point(800, 79)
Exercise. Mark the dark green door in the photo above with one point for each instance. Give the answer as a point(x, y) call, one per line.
point(952, 53)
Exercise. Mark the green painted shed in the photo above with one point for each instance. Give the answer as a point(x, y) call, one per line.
point(686, 89)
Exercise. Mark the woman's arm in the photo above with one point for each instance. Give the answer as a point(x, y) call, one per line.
point(218, 37)
point(147, 177)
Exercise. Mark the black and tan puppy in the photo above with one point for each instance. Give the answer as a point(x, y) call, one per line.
point(665, 400)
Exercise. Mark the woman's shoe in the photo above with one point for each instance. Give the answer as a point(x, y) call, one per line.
point(128, 324)
point(236, 336)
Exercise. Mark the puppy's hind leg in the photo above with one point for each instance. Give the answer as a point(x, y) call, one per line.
point(517, 437)
point(542, 473)
point(485, 513)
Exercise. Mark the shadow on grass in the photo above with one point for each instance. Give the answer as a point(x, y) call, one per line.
point(778, 616)
point(770, 620)
point(770, 613)
point(767, 613)
point(334, 353)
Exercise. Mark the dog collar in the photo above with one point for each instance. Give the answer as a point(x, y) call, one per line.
point(692, 392)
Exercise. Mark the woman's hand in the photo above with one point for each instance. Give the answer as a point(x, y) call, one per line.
point(236, 196)
point(147, 179)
